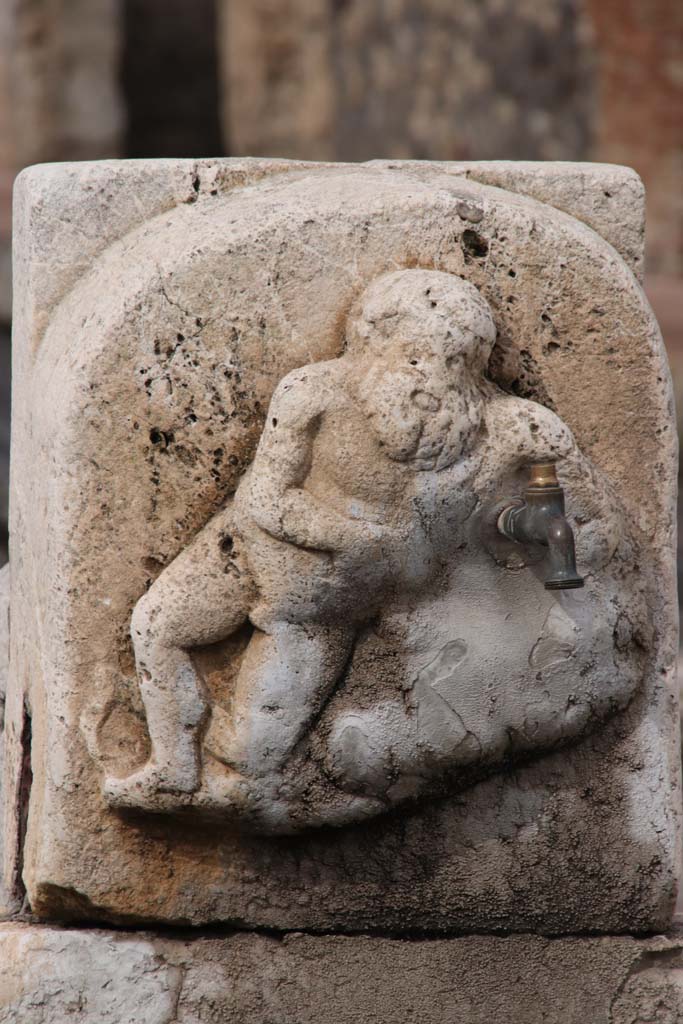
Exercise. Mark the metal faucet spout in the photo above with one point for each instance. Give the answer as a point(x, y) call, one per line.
point(561, 556)
point(540, 519)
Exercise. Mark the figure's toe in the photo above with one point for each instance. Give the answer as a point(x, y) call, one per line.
point(150, 788)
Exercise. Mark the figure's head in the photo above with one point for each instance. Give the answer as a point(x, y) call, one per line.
point(419, 342)
point(426, 319)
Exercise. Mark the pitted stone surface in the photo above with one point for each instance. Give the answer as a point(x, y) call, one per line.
point(198, 301)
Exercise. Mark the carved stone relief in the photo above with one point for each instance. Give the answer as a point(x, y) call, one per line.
point(274, 430)
point(355, 528)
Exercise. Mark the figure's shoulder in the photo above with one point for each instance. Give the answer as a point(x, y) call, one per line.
point(510, 415)
point(506, 409)
point(305, 392)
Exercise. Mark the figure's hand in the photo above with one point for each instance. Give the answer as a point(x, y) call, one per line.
point(357, 535)
point(361, 541)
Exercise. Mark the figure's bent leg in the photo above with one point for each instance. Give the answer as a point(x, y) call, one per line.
point(195, 601)
point(380, 755)
point(172, 695)
point(285, 678)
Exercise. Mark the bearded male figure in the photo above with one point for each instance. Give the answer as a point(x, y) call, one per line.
point(322, 529)
point(328, 527)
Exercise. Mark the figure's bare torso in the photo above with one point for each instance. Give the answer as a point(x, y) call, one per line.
point(350, 472)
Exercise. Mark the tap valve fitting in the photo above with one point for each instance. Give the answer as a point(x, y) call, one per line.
point(539, 519)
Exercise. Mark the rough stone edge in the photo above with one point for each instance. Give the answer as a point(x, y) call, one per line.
point(81, 208)
point(96, 975)
point(609, 198)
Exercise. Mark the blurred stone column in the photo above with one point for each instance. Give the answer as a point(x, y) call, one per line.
point(8, 169)
point(640, 111)
point(62, 58)
point(278, 87)
point(429, 79)
point(59, 100)
point(59, 95)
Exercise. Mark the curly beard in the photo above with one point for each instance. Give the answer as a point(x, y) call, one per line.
point(429, 426)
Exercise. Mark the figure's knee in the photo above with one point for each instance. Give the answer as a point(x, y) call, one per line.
point(176, 612)
point(149, 624)
point(140, 619)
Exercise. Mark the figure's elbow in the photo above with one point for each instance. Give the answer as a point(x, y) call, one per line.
point(264, 506)
point(268, 517)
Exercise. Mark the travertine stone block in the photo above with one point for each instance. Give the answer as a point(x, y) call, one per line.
point(277, 661)
point(99, 977)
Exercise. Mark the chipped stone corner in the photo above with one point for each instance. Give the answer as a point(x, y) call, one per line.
point(608, 198)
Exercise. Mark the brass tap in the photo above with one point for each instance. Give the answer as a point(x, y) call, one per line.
point(540, 519)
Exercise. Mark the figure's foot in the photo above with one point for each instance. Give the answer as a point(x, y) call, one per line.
point(272, 806)
point(153, 788)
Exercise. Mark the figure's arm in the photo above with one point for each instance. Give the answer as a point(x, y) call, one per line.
point(277, 499)
point(521, 432)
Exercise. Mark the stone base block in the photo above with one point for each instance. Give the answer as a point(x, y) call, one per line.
point(50, 975)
